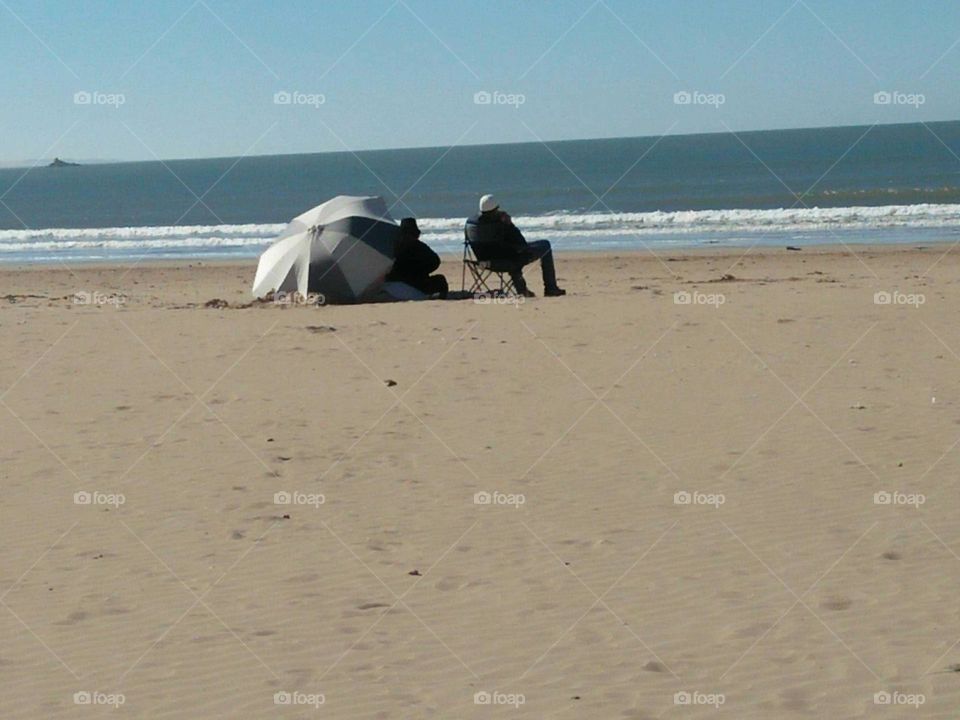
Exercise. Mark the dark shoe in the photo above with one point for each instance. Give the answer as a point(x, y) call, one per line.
point(554, 292)
point(526, 293)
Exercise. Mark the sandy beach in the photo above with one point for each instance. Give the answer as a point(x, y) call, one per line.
point(713, 484)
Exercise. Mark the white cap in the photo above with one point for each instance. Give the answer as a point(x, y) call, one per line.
point(488, 203)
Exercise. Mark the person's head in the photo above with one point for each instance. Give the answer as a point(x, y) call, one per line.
point(489, 205)
point(409, 228)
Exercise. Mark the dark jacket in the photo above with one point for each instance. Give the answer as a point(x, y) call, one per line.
point(414, 261)
point(492, 238)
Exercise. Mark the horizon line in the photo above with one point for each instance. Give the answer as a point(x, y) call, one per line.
point(11, 165)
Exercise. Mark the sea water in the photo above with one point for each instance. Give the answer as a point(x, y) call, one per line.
point(832, 186)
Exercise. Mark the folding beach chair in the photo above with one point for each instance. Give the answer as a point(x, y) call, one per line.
point(490, 275)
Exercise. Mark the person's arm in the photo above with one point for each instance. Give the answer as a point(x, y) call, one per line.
point(427, 259)
point(495, 237)
point(513, 236)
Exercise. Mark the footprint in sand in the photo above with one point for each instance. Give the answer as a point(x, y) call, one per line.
point(837, 603)
point(74, 617)
point(751, 631)
point(449, 584)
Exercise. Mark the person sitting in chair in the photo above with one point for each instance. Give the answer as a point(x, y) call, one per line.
point(415, 261)
point(494, 226)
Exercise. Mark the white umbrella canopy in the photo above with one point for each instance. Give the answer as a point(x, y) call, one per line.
point(341, 249)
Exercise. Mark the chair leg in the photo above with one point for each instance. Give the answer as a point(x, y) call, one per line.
point(482, 279)
point(507, 288)
point(478, 281)
point(483, 284)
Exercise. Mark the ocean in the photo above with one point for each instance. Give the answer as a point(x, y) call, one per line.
point(850, 185)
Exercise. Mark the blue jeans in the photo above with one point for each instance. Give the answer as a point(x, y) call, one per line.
point(539, 250)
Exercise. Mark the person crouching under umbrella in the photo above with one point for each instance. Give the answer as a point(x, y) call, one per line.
point(415, 262)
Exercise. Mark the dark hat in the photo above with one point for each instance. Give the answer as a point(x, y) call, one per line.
point(409, 225)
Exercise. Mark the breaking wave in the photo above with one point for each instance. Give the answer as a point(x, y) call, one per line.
point(566, 230)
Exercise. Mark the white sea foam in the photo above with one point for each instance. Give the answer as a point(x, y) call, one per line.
point(727, 221)
point(196, 234)
point(573, 229)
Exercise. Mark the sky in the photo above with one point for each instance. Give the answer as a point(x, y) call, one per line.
point(138, 80)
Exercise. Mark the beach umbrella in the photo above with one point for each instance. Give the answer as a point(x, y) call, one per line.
point(341, 249)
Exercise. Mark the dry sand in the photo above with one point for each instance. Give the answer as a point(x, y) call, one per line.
point(782, 589)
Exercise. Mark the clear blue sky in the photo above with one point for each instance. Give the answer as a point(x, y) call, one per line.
point(198, 78)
